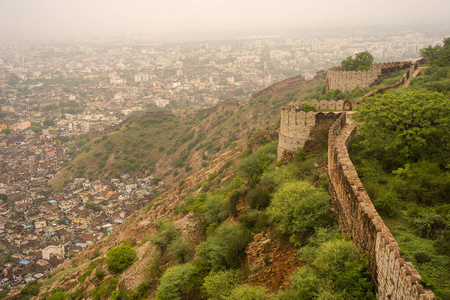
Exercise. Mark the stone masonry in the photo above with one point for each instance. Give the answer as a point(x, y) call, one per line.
point(295, 128)
point(339, 79)
point(393, 277)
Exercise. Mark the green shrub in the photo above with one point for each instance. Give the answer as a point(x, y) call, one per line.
point(60, 295)
point(214, 210)
point(338, 261)
point(180, 249)
point(299, 207)
point(428, 224)
point(120, 257)
point(218, 285)
point(166, 233)
point(235, 196)
point(442, 245)
point(207, 209)
point(425, 183)
point(320, 237)
point(89, 270)
point(253, 166)
point(334, 257)
point(180, 281)
point(246, 292)
point(387, 204)
point(255, 220)
point(106, 289)
point(421, 257)
point(100, 274)
point(258, 198)
point(32, 289)
point(304, 285)
point(226, 248)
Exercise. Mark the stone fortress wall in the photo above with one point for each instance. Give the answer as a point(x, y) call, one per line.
point(339, 79)
point(296, 126)
point(394, 277)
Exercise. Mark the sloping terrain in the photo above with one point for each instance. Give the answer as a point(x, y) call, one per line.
point(173, 147)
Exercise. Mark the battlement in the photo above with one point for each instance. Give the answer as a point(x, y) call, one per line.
point(296, 126)
point(394, 278)
point(339, 79)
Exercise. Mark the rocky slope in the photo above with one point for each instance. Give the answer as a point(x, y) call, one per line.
point(271, 262)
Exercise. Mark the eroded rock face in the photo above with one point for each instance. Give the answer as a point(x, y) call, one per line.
point(270, 263)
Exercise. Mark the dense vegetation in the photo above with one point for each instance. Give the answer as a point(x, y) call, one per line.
point(402, 154)
point(361, 62)
point(289, 202)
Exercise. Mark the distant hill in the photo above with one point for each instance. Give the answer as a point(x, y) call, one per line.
point(172, 147)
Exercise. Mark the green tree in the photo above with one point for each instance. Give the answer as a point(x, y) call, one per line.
point(120, 257)
point(218, 285)
point(304, 285)
point(298, 206)
point(180, 248)
point(409, 127)
point(49, 122)
point(60, 295)
point(254, 165)
point(430, 52)
point(180, 281)
point(246, 292)
point(339, 263)
point(442, 58)
point(226, 248)
point(362, 61)
point(32, 289)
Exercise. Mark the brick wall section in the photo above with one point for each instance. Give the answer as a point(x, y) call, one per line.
point(393, 277)
point(338, 78)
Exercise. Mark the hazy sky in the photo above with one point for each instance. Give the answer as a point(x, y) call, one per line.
point(52, 18)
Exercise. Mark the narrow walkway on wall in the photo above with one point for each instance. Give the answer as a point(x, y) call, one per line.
point(416, 73)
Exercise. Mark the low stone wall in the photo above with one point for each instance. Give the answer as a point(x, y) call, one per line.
point(339, 79)
point(393, 277)
point(402, 81)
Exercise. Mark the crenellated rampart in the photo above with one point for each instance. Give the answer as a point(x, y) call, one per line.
point(407, 76)
point(296, 127)
point(339, 79)
point(393, 277)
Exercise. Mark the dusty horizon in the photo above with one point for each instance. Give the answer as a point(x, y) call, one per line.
point(57, 18)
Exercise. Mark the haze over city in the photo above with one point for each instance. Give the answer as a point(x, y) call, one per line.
point(84, 18)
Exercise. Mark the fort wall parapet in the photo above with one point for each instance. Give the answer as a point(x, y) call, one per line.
point(339, 79)
point(407, 76)
point(296, 126)
point(393, 277)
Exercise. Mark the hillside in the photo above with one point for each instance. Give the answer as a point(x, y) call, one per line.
point(173, 147)
point(222, 226)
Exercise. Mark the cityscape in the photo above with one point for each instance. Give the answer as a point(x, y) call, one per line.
point(52, 93)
